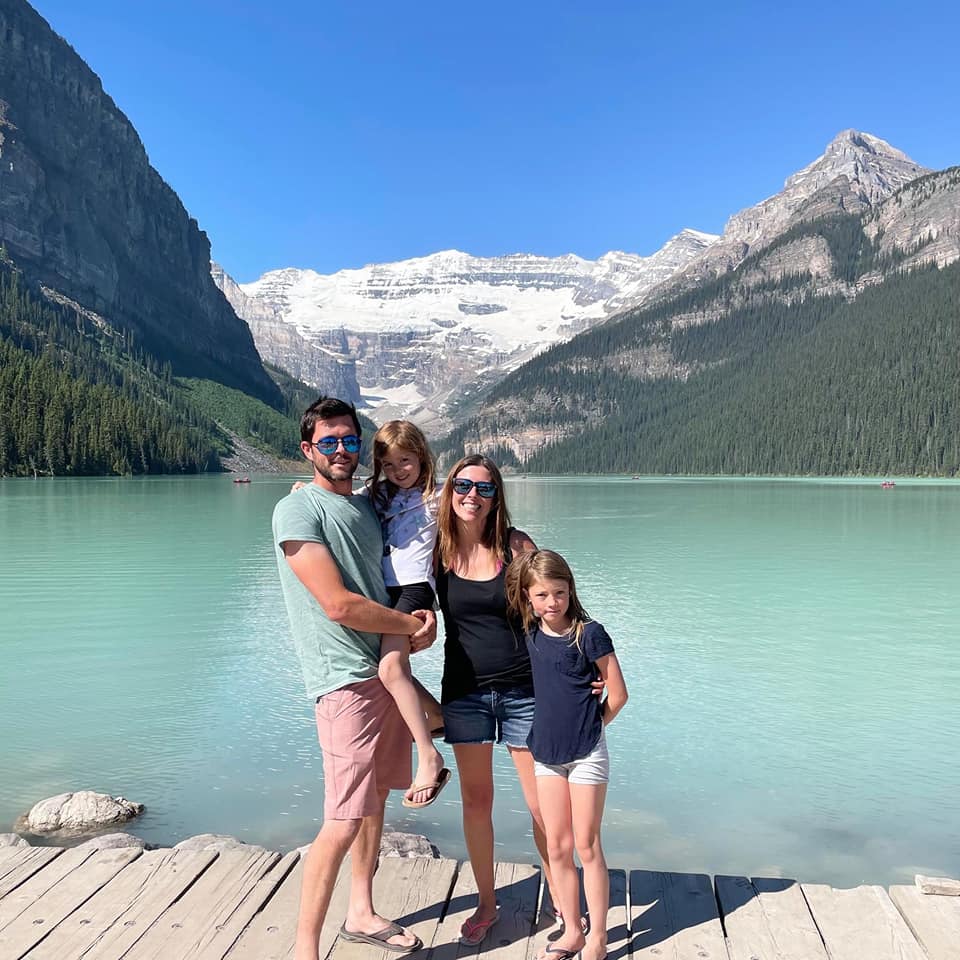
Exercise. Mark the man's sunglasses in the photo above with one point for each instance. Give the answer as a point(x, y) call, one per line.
point(485, 488)
point(328, 445)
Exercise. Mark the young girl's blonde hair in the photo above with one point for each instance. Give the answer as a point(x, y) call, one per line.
point(524, 571)
point(406, 436)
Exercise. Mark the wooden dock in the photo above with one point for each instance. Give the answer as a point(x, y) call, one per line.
point(73, 904)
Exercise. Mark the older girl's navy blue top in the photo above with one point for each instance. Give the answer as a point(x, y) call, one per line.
point(566, 722)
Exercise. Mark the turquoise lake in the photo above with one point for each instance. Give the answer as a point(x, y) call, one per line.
point(791, 648)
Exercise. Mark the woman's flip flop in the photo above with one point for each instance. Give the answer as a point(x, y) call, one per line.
point(442, 780)
point(474, 932)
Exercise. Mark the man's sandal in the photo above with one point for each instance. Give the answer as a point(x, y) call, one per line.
point(382, 938)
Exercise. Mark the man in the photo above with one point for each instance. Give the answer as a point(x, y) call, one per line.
point(329, 551)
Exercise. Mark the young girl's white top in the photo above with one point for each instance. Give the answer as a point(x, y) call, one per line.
point(409, 525)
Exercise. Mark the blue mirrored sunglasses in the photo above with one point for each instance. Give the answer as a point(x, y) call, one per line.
point(485, 488)
point(328, 445)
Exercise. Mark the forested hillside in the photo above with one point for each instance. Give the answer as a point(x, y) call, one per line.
point(746, 376)
point(78, 397)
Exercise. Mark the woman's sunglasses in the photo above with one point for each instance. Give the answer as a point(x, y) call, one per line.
point(486, 488)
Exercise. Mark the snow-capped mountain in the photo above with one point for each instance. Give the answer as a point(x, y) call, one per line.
point(424, 333)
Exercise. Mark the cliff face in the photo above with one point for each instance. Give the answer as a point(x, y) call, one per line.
point(82, 211)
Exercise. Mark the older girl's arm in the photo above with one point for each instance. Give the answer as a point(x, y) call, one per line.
point(616, 686)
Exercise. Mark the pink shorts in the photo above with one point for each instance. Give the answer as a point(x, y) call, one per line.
point(366, 749)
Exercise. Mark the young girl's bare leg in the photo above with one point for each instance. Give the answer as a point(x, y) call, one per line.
point(430, 705)
point(396, 677)
point(554, 794)
point(586, 802)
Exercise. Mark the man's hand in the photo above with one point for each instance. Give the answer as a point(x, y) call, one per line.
point(425, 636)
point(598, 687)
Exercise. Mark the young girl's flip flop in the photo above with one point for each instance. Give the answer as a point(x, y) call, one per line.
point(442, 780)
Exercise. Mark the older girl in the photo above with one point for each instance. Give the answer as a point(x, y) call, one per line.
point(568, 653)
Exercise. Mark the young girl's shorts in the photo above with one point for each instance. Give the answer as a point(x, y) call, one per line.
point(592, 769)
point(412, 596)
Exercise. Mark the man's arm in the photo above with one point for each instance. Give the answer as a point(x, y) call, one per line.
point(318, 572)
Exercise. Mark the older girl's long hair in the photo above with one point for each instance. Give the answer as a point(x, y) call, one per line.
point(524, 571)
point(496, 533)
point(406, 436)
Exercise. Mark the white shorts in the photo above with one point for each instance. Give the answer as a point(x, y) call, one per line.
point(592, 769)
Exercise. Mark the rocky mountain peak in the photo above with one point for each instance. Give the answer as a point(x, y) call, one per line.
point(874, 168)
point(856, 172)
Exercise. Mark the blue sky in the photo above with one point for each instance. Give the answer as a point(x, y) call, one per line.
point(334, 134)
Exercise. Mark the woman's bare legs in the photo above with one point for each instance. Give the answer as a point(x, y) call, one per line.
point(396, 677)
point(523, 761)
point(475, 767)
point(586, 802)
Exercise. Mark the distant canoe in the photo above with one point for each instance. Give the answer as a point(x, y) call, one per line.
point(888, 485)
point(241, 479)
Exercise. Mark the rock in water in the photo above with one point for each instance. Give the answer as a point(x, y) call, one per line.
point(214, 841)
point(115, 841)
point(80, 811)
point(407, 845)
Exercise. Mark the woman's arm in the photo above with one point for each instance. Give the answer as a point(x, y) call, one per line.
point(616, 686)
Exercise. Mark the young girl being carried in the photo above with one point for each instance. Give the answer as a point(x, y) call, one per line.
point(403, 493)
point(568, 651)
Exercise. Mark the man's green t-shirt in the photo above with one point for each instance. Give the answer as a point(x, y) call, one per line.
point(331, 655)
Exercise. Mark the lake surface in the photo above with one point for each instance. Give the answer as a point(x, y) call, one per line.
point(791, 650)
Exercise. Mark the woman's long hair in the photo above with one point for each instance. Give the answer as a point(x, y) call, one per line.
point(406, 436)
point(542, 565)
point(496, 532)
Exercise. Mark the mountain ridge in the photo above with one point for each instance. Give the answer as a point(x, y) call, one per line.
point(83, 212)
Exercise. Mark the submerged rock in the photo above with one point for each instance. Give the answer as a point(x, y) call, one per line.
point(214, 841)
point(79, 811)
point(395, 844)
point(114, 841)
point(407, 845)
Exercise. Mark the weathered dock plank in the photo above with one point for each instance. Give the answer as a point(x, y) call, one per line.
point(25, 894)
point(674, 916)
point(618, 920)
point(110, 922)
point(518, 890)
point(21, 863)
point(271, 935)
point(861, 923)
point(60, 900)
point(934, 920)
point(413, 892)
point(199, 924)
point(767, 919)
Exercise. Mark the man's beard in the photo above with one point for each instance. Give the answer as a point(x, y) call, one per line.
point(337, 472)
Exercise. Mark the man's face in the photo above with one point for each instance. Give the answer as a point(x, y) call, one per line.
point(339, 465)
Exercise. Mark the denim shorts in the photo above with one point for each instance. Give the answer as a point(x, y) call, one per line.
point(490, 716)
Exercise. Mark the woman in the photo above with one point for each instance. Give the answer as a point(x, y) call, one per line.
point(487, 688)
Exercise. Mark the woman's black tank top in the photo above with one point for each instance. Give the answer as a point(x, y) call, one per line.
point(484, 649)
